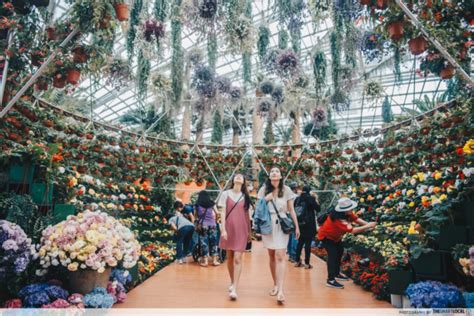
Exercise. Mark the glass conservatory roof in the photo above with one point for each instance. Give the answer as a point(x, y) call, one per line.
point(109, 104)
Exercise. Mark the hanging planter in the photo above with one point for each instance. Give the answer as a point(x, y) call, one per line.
point(447, 72)
point(382, 4)
point(365, 2)
point(41, 84)
point(417, 45)
point(80, 55)
point(73, 76)
point(395, 30)
point(51, 33)
point(59, 81)
point(121, 11)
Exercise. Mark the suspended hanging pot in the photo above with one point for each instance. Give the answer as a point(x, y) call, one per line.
point(51, 32)
point(59, 81)
point(365, 2)
point(121, 11)
point(40, 3)
point(80, 55)
point(105, 23)
point(395, 30)
point(447, 72)
point(417, 45)
point(382, 4)
point(41, 85)
point(73, 76)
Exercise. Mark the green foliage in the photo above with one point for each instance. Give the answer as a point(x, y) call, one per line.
point(335, 45)
point(132, 32)
point(161, 12)
point(269, 136)
point(217, 129)
point(146, 118)
point(247, 69)
point(396, 65)
point(282, 39)
point(323, 133)
point(387, 114)
point(22, 211)
point(319, 72)
point(177, 58)
point(212, 50)
point(263, 41)
point(143, 70)
point(421, 106)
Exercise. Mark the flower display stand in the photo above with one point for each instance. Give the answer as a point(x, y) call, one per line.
point(21, 173)
point(399, 280)
point(452, 235)
point(84, 281)
point(406, 302)
point(61, 211)
point(42, 193)
point(396, 300)
point(431, 265)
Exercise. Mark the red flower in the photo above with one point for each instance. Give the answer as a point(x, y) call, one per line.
point(14, 303)
point(459, 151)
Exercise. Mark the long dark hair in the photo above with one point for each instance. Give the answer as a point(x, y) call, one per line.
point(338, 215)
point(204, 200)
point(244, 191)
point(269, 187)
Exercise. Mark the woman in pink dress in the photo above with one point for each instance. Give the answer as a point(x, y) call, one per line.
point(234, 206)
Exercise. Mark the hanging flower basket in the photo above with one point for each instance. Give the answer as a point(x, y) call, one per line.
point(80, 55)
point(51, 33)
point(365, 2)
point(395, 30)
point(121, 11)
point(73, 76)
point(447, 72)
point(41, 85)
point(59, 81)
point(382, 4)
point(417, 45)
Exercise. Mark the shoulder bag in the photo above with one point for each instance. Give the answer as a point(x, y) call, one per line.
point(235, 204)
point(200, 220)
point(286, 223)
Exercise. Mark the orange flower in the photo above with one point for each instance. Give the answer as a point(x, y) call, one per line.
point(438, 16)
point(57, 157)
point(436, 190)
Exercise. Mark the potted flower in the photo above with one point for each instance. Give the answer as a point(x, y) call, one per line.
point(121, 10)
point(394, 21)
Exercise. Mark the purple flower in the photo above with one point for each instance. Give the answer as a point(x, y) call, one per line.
point(10, 245)
point(55, 292)
point(287, 63)
point(36, 299)
point(20, 264)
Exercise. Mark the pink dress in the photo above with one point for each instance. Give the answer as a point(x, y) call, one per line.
point(236, 225)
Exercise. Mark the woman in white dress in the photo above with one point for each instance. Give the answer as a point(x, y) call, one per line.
point(277, 241)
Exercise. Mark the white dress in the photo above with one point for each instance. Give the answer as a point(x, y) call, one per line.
point(277, 239)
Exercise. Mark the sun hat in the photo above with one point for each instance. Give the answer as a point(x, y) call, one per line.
point(345, 205)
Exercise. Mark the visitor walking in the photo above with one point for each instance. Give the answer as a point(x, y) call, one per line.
point(336, 225)
point(307, 223)
point(280, 200)
point(234, 205)
point(206, 227)
point(292, 241)
point(183, 229)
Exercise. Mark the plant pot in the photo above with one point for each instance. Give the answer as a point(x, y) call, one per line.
point(48, 123)
point(452, 235)
point(431, 265)
point(395, 30)
point(365, 2)
point(80, 56)
point(42, 193)
point(382, 4)
point(73, 76)
point(51, 32)
point(121, 11)
point(399, 280)
point(61, 211)
point(84, 281)
point(447, 72)
point(41, 85)
point(21, 173)
point(396, 300)
point(417, 45)
point(59, 82)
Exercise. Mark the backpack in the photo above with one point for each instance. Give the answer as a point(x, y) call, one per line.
point(300, 210)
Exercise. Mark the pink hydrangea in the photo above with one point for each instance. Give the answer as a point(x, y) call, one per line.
point(14, 303)
point(59, 303)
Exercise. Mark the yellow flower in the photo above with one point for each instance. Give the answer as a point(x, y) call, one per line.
point(469, 147)
point(354, 190)
point(443, 197)
point(73, 266)
point(362, 200)
point(421, 176)
point(411, 204)
point(437, 175)
point(410, 192)
point(42, 252)
point(81, 257)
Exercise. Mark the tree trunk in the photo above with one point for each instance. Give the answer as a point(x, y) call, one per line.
point(296, 133)
point(186, 125)
point(257, 139)
point(235, 136)
point(200, 130)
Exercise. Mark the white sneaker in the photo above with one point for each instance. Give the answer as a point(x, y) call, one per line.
point(233, 295)
point(231, 288)
point(180, 261)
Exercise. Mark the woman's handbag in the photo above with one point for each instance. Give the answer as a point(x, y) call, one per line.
point(286, 223)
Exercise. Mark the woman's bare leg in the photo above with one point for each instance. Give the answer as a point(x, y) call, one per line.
point(271, 256)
